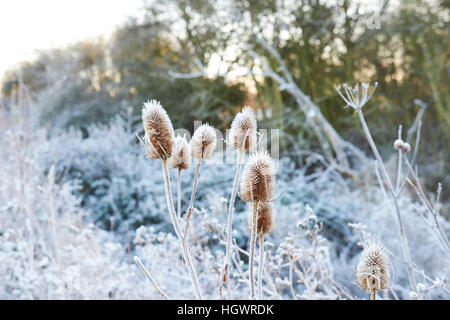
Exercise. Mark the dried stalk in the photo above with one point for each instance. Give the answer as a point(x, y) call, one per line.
point(153, 282)
point(176, 225)
point(191, 202)
point(261, 265)
point(224, 273)
point(179, 193)
point(403, 238)
point(252, 250)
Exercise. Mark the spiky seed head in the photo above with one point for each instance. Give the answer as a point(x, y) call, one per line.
point(159, 134)
point(373, 270)
point(242, 134)
point(398, 144)
point(203, 142)
point(181, 153)
point(258, 178)
point(264, 216)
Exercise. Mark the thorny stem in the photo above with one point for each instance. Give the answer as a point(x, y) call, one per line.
point(226, 266)
point(252, 250)
point(373, 294)
point(191, 202)
point(176, 225)
point(261, 265)
point(404, 240)
point(153, 282)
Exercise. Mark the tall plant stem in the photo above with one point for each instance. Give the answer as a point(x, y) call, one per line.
point(179, 193)
point(252, 250)
point(176, 225)
point(261, 265)
point(404, 241)
point(225, 268)
point(191, 202)
point(373, 294)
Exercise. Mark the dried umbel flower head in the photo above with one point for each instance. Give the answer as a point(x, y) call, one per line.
point(264, 216)
point(159, 135)
point(258, 178)
point(356, 97)
point(181, 153)
point(373, 271)
point(203, 142)
point(242, 134)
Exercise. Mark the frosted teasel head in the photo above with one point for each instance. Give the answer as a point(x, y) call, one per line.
point(242, 134)
point(159, 134)
point(373, 270)
point(181, 153)
point(264, 214)
point(258, 178)
point(356, 97)
point(203, 142)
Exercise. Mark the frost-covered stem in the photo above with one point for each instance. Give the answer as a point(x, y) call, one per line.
point(55, 239)
point(373, 294)
point(403, 239)
point(176, 226)
point(226, 266)
point(179, 193)
point(261, 265)
point(252, 250)
point(399, 164)
point(191, 202)
point(433, 211)
point(149, 276)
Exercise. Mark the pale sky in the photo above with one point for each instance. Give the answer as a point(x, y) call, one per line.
point(28, 25)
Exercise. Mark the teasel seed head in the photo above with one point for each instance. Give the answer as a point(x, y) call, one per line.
point(264, 216)
point(242, 134)
point(258, 178)
point(159, 134)
point(373, 270)
point(181, 153)
point(203, 142)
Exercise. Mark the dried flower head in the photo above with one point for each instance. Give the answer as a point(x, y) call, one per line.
point(159, 135)
point(373, 271)
point(406, 147)
point(258, 178)
point(264, 218)
point(243, 130)
point(398, 144)
point(181, 153)
point(356, 97)
point(203, 142)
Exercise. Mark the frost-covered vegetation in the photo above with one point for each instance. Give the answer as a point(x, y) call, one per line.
point(76, 209)
point(79, 198)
